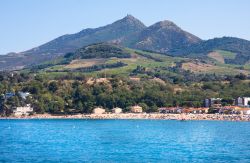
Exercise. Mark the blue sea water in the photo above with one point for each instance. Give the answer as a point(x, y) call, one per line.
point(123, 141)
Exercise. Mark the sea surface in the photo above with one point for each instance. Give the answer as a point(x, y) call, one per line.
point(124, 141)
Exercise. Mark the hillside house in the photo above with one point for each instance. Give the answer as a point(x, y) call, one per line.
point(136, 109)
point(9, 95)
point(24, 95)
point(20, 111)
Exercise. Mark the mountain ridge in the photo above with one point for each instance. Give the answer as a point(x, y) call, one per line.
point(117, 29)
point(238, 46)
point(162, 37)
point(71, 42)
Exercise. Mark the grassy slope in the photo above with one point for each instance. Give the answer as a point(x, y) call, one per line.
point(137, 59)
point(221, 55)
point(226, 54)
point(218, 57)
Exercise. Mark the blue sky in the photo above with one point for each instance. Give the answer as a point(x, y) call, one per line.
point(25, 24)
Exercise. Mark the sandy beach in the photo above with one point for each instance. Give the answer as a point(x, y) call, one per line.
point(222, 117)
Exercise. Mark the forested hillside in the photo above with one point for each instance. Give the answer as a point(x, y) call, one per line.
point(71, 94)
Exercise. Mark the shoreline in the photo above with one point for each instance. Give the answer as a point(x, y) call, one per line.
point(142, 116)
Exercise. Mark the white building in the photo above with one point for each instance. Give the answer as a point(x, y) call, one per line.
point(136, 109)
point(239, 101)
point(245, 111)
point(24, 95)
point(19, 111)
point(117, 110)
point(210, 102)
point(98, 111)
point(246, 101)
point(243, 101)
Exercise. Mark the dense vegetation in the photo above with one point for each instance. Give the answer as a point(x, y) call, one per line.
point(101, 50)
point(76, 83)
point(80, 94)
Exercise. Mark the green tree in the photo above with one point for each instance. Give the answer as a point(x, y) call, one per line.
point(53, 87)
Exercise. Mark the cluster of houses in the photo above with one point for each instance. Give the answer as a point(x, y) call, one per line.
point(27, 110)
point(23, 110)
point(23, 95)
point(204, 110)
point(179, 110)
point(240, 101)
point(133, 109)
point(241, 105)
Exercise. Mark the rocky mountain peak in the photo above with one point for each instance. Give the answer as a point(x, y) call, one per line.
point(166, 24)
point(130, 20)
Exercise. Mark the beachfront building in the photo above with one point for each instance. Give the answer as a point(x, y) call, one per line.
point(227, 110)
point(26, 110)
point(240, 110)
point(245, 111)
point(239, 101)
point(198, 110)
point(117, 110)
point(98, 110)
point(136, 109)
point(233, 110)
point(246, 101)
point(243, 101)
point(171, 110)
point(178, 110)
point(212, 102)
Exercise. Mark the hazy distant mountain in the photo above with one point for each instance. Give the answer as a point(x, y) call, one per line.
point(162, 37)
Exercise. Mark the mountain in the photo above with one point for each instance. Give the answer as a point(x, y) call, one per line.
point(240, 47)
point(71, 42)
point(164, 37)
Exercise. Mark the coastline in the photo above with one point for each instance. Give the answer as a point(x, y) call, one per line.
point(150, 116)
